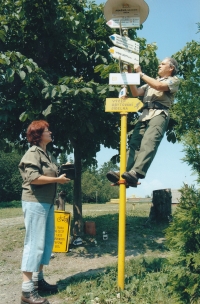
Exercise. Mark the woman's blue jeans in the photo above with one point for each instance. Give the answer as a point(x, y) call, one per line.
point(39, 237)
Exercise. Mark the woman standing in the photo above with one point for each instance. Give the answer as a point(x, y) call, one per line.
point(40, 177)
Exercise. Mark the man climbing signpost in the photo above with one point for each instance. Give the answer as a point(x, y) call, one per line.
point(123, 16)
point(158, 96)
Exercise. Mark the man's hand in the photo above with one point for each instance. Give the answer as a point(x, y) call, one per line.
point(137, 68)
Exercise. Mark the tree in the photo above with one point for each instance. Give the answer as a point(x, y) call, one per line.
point(49, 52)
point(183, 235)
point(10, 178)
point(95, 186)
point(186, 113)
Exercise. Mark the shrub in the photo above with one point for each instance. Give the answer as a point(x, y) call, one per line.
point(183, 239)
point(10, 178)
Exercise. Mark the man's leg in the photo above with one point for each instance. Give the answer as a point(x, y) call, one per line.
point(135, 142)
point(134, 145)
point(150, 143)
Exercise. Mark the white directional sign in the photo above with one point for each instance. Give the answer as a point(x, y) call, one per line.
point(124, 78)
point(125, 42)
point(124, 55)
point(125, 22)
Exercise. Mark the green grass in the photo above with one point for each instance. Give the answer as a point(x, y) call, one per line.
point(145, 283)
point(10, 209)
point(146, 274)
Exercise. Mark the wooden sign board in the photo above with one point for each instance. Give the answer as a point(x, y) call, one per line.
point(62, 231)
point(123, 105)
point(125, 43)
point(124, 55)
point(124, 78)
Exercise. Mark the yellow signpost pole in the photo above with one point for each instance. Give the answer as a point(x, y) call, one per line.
point(122, 205)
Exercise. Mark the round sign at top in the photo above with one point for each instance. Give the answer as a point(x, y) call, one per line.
point(126, 8)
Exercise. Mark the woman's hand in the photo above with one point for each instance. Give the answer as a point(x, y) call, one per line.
point(62, 179)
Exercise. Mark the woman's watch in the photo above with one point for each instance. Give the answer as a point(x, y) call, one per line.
point(142, 75)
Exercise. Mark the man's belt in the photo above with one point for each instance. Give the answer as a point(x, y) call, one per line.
point(155, 105)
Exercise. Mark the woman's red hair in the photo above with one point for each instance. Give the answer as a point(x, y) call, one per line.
point(35, 130)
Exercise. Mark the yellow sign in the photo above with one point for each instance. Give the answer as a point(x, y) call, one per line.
point(123, 105)
point(62, 231)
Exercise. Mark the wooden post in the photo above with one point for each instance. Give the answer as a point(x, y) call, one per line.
point(161, 205)
point(60, 202)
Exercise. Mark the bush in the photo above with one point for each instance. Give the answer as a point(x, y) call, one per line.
point(13, 204)
point(183, 239)
point(10, 178)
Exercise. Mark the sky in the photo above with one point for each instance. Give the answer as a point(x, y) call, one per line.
point(171, 24)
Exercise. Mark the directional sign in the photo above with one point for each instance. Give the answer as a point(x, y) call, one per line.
point(125, 22)
point(125, 42)
point(124, 78)
point(123, 105)
point(124, 55)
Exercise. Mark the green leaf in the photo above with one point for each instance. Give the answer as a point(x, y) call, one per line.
point(47, 111)
point(29, 68)
point(53, 92)
point(23, 117)
point(76, 92)
point(63, 88)
point(22, 75)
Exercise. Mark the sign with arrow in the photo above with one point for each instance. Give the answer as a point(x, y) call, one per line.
point(125, 43)
point(123, 105)
point(124, 55)
point(124, 22)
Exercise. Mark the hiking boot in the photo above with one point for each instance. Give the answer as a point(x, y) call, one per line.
point(113, 176)
point(42, 285)
point(32, 298)
point(131, 178)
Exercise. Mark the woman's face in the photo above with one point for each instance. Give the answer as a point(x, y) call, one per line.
point(46, 136)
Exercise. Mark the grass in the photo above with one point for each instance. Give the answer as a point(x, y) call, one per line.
point(10, 209)
point(145, 274)
point(145, 283)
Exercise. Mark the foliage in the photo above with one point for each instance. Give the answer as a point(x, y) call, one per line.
point(12, 204)
point(192, 151)
point(183, 240)
point(96, 187)
point(185, 113)
point(10, 178)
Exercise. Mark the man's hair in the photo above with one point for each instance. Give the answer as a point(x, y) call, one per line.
point(173, 63)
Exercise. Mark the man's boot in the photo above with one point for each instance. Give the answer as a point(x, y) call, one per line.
point(32, 298)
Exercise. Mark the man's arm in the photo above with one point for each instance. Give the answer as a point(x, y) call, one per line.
point(155, 84)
